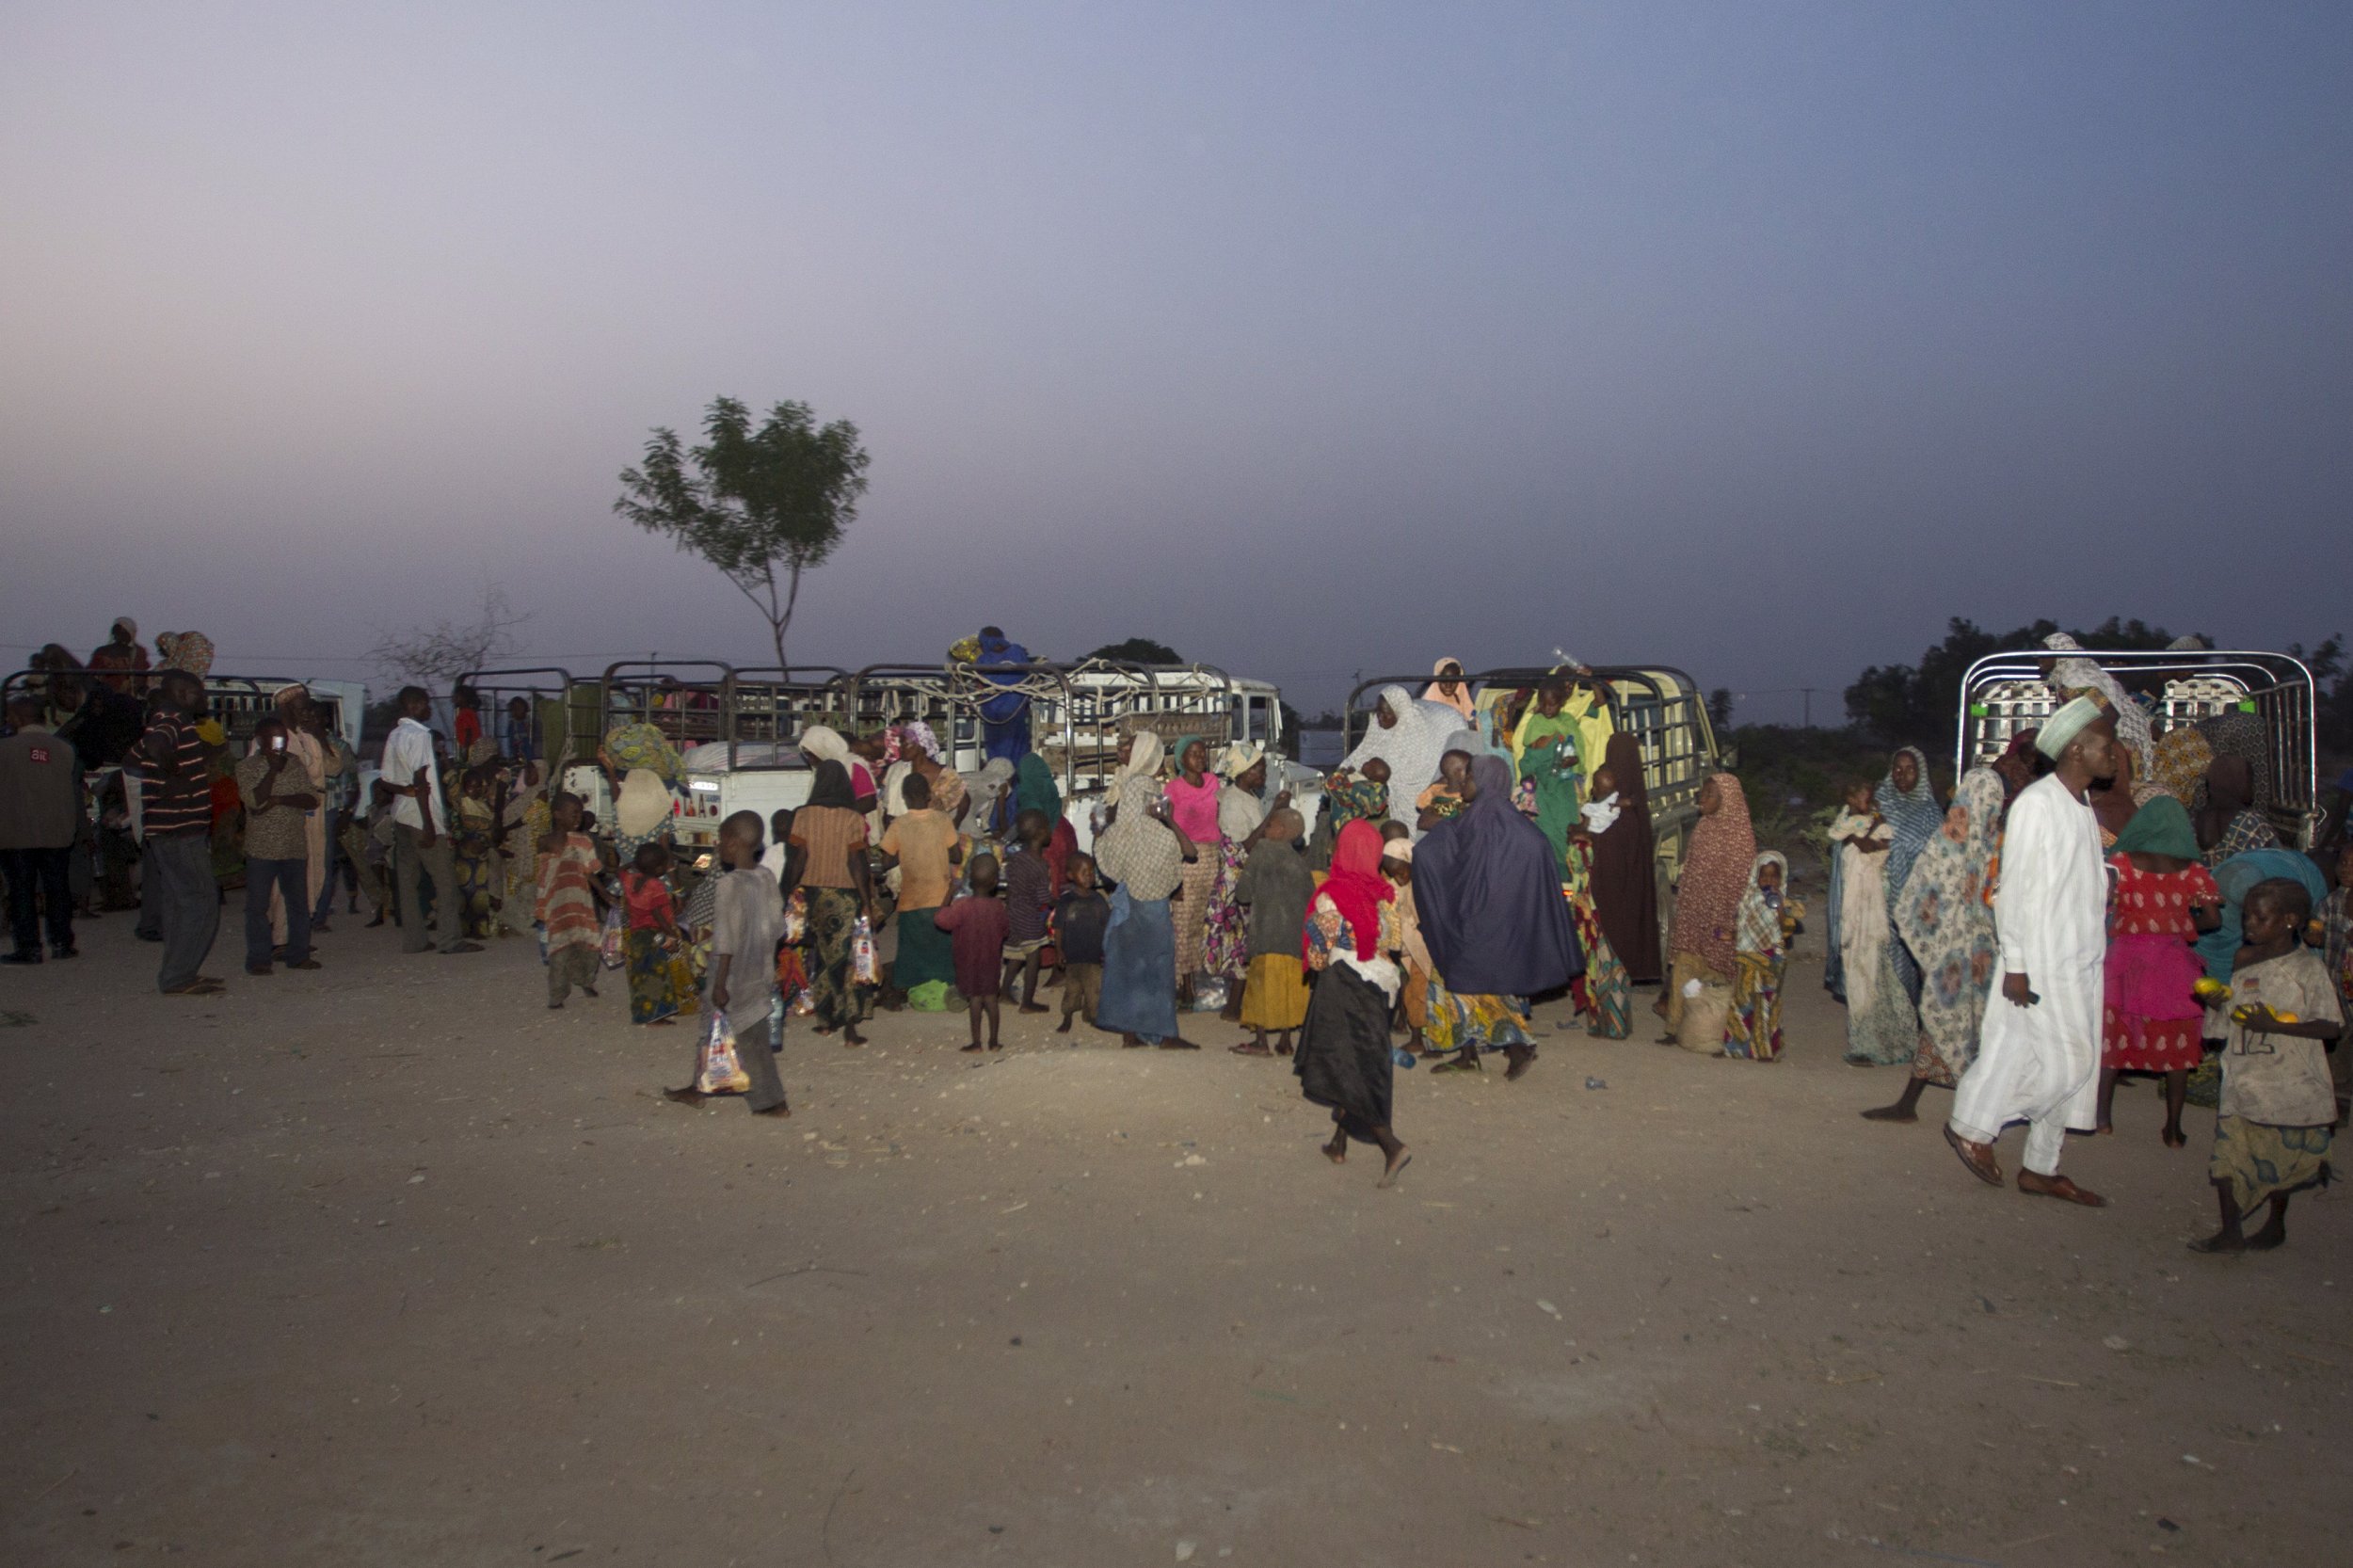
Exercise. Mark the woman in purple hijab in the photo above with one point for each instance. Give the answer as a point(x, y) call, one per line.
point(1487, 894)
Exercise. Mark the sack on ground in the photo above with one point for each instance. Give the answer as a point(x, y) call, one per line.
point(719, 1072)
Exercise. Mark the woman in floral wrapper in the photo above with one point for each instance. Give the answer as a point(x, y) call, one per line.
point(1946, 917)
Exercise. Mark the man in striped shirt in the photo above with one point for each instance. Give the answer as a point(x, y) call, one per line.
point(177, 858)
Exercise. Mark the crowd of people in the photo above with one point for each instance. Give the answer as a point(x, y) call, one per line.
point(2104, 900)
point(2107, 898)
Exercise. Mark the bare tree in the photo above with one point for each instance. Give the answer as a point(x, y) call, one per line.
point(435, 656)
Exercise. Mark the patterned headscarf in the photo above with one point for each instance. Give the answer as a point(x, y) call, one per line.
point(2082, 675)
point(1914, 815)
point(1760, 923)
point(1945, 921)
point(1715, 872)
point(191, 652)
point(918, 734)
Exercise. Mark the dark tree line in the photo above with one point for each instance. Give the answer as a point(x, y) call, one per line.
point(1915, 704)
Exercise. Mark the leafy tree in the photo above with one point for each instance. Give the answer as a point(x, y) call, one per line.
point(1138, 650)
point(1720, 709)
point(753, 503)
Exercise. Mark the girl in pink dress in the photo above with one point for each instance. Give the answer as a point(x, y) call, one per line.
point(2164, 898)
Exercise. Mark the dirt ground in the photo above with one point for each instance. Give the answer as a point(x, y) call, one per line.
point(389, 1265)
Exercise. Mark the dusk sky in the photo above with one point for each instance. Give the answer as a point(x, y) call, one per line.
point(1755, 339)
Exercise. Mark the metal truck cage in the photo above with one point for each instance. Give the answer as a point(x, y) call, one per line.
point(239, 702)
point(1661, 707)
point(730, 724)
point(2005, 693)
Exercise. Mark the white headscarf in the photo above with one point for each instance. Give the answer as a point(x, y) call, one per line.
point(826, 746)
point(1412, 747)
point(1143, 762)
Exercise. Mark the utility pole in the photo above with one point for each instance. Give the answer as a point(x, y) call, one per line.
point(1809, 705)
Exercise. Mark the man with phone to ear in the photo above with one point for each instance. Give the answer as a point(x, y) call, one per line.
point(278, 794)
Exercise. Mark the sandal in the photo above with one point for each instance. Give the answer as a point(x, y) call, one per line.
point(1982, 1164)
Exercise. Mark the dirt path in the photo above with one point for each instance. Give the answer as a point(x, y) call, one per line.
point(389, 1265)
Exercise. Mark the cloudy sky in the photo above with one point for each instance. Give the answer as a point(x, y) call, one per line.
point(1757, 339)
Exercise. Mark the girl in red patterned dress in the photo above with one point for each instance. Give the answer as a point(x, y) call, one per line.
point(2163, 899)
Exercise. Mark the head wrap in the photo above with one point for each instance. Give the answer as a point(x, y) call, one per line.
point(1033, 788)
point(483, 749)
point(826, 746)
point(1487, 895)
point(1715, 877)
point(2160, 827)
point(1240, 758)
point(1357, 888)
point(1397, 849)
point(1185, 744)
point(1624, 874)
point(915, 732)
point(1947, 925)
point(2076, 715)
point(124, 623)
point(1412, 747)
point(2083, 675)
point(1143, 763)
point(1916, 814)
point(291, 688)
point(1436, 692)
point(1760, 923)
point(191, 652)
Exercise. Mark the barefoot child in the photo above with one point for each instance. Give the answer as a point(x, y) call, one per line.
point(926, 848)
point(747, 921)
point(1275, 886)
point(1029, 904)
point(1767, 919)
point(976, 924)
point(2277, 1108)
point(568, 866)
point(661, 983)
point(1080, 917)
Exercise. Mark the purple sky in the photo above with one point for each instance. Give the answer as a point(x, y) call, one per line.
point(1753, 339)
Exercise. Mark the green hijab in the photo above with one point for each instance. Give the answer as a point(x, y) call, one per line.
point(1033, 788)
point(1176, 757)
point(2160, 827)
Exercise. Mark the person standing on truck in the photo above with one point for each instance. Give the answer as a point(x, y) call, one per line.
point(1005, 720)
point(2038, 1055)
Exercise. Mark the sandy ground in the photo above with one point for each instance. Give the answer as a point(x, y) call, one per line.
point(389, 1265)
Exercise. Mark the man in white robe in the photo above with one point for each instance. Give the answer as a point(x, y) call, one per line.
point(2039, 1055)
